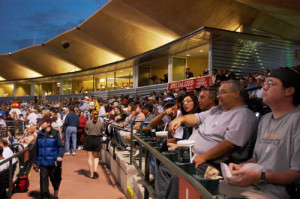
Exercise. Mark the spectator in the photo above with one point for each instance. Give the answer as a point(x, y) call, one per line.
point(81, 130)
point(277, 147)
point(94, 130)
point(221, 130)
point(7, 152)
point(220, 77)
point(48, 152)
point(5, 165)
point(32, 117)
point(258, 93)
point(71, 122)
point(207, 98)
point(213, 76)
point(11, 137)
point(170, 113)
point(188, 73)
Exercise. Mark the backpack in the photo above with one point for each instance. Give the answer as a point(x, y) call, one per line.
point(20, 185)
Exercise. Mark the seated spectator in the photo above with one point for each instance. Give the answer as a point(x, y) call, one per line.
point(5, 165)
point(258, 93)
point(170, 113)
point(11, 137)
point(222, 130)
point(7, 152)
point(277, 147)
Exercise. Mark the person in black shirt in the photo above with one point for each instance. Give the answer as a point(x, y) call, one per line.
point(188, 73)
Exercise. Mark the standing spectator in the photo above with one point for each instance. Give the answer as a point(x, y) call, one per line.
point(188, 73)
point(71, 122)
point(81, 129)
point(48, 152)
point(94, 130)
point(32, 117)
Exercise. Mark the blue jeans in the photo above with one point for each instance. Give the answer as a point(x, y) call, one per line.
point(71, 131)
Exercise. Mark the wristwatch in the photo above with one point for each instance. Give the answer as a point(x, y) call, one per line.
point(263, 179)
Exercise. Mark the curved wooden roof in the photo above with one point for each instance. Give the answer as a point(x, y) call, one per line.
point(124, 28)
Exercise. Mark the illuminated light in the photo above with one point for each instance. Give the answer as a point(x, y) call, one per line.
point(2, 79)
point(187, 55)
point(239, 29)
point(102, 80)
point(201, 51)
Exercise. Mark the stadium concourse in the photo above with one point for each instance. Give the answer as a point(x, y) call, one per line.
point(76, 183)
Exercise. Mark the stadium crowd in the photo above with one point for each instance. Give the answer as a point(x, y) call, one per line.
point(222, 120)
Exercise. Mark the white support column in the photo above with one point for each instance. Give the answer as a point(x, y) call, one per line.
point(32, 88)
point(210, 66)
point(170, 69)
point(61, 87)
point(135, 76)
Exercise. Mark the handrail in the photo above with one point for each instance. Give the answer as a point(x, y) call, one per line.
point(165, 161)
point(10, 168)
point(174, 168)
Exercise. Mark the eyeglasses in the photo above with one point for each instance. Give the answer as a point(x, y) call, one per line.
point(270, 84)
point(186, 101)
point(223, 92)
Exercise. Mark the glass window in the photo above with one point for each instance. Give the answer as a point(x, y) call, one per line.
point(6, 90)
point(124, 78)
point(67, 87)
point(83, 84)
point(179, 65)
point(22, 89)
point(155, 72)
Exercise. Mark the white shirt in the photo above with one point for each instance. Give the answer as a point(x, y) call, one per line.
point(2, 123)
point(4, 166)
point(32, 118)
point(7, 153)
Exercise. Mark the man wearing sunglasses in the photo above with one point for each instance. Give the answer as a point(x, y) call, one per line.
point(277, 147)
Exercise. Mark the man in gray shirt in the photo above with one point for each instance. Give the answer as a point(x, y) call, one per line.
point(222, 130)
point(277, 147)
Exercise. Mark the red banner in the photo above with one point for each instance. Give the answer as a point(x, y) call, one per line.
point(190, 84)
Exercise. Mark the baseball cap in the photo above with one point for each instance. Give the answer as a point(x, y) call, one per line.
point(168, 99)
point(86, 97)
point(287, 76)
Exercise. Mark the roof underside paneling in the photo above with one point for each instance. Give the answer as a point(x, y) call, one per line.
point(125, 28)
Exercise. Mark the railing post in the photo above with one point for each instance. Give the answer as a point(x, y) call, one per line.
point(131, 145)
point(10, 179)
point(147, 173)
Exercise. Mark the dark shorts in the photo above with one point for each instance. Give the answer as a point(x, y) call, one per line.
point(92, 143)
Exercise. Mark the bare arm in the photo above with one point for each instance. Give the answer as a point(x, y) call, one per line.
point(157, 121)
point(219, 150)
point(189, 120)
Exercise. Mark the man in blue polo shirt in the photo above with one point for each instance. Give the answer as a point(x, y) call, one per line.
point(71, 122)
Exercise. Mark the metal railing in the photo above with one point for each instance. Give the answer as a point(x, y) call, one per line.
point(16, 126)
point(148, 149)
point(11, 165)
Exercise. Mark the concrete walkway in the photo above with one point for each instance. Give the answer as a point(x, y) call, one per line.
point(75, 181)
